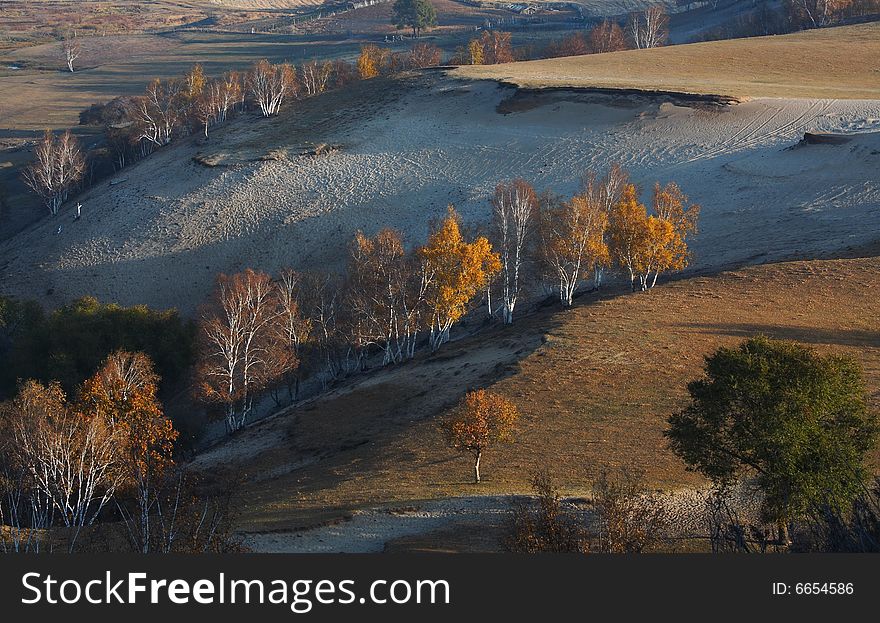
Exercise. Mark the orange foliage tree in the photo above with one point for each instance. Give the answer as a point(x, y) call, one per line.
point(480, 420)
point(607, 37)
point(456, 271)
point(123, 392)
point(496, 47)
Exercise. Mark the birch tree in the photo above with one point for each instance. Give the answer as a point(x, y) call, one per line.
point(386, 295)
point(456, 271)
point(648, 29)
point(513, 207)
point(157, 113)
point(72, 456)
point(239, 354)
point(123, 393)
point(292, 324)
point(59, 164)
point(573, 240)
point(270, 84)
point(315, 77)
point(71, 50)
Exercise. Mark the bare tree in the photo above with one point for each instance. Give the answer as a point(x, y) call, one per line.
point(649, 29)
point(293, 326)
point(513, 206)
point(71, 50)
point(59, 164)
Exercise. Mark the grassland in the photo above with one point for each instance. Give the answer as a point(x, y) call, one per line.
point(827, 63)
point(594, 385)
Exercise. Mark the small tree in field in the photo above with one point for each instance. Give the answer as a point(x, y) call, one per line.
point(796, 422)
point(59, 164)
point(415, 14)
point(480, 420)
point(71, 51)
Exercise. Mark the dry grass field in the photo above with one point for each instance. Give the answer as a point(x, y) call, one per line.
point(827, 63)
point(594, 386)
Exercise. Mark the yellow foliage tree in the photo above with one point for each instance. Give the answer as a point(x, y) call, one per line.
point(649, 245)
point(481, 419)
point(573, 240)
point(457, 270)
point(475, 51)
point(371, 61)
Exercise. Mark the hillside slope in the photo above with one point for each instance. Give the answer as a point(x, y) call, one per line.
point(594, 386)
point(831, 62)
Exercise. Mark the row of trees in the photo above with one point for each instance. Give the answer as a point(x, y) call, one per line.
point(257, 333)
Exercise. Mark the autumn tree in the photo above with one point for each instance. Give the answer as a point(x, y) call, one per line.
point(514, 207)
point(573, 238)
point(156, 115)
point(607, 191)
point(795, 422)
point(815, 13)
point(496, 47)
point(123, 393)
point(59, 164)
point(475, 52)
point(672, 205)
point(195, 81)
point(572, 45)
point(648, 29)
point(606, 36)
point(71, 455)
point(456, 271)
point(415, 14)
point(71, 51)
point(386, 294)
point(270, 84)
point(480, 420)
point(647, 245)
point(372, 61)
point(315, 76)
point(240, 354)
point(425, 55)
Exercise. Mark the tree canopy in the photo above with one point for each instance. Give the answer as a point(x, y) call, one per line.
point(415, 14)
point(796, 421)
